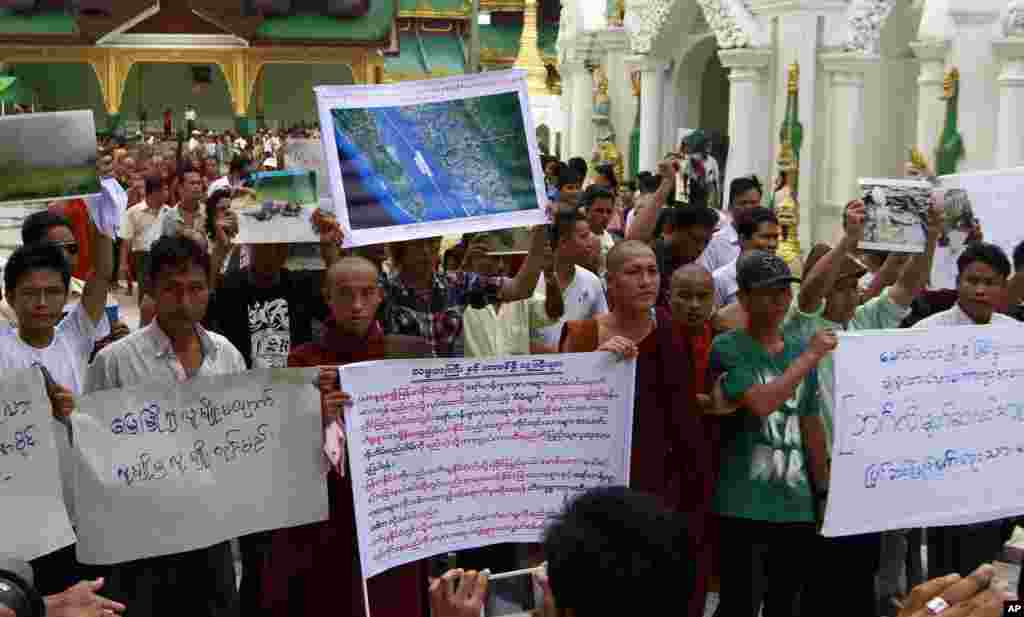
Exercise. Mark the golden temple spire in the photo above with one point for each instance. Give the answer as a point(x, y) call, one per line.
point(529, 58)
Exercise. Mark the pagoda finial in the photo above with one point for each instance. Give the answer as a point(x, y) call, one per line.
point(529, 58)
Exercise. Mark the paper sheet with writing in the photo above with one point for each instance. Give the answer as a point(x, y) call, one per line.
point(167, 468)
point(35, 521)
point(929, 428)
point(447, 455)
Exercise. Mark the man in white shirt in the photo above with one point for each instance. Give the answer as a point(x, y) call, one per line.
point(982, 273)
point(582, 292)
point(757, 229)
point(136, 223)
point(744, 194)
point(237, 172)
point(36, 281)
point(173, 348)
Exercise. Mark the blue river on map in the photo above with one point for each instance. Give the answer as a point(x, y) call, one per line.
point(440, 192)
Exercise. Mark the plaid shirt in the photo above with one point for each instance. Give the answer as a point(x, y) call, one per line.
point(435, 314)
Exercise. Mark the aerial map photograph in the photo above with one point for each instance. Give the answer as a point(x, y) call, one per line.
point(434, 161)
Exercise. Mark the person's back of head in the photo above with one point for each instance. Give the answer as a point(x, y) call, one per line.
point(681, 217)
point(578, 165)
point(35, 227)
point(616, 552)
point(1018, 258)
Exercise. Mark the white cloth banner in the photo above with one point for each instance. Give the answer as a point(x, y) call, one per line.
point(448, 455)
point(428, 158)
point(929, 428)
point(35, 521)
point(166, 468)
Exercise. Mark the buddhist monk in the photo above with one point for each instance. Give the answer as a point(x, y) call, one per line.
point(314, 569)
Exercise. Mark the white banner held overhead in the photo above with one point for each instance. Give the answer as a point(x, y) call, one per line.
point(35, 518)
point(448, 455)
point(929, 428)
point(167, 468)
point(429, 158)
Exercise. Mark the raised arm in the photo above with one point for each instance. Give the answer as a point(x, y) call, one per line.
point(525, 281)
point(824, 274)
point(645, 219)
point(766, 399)
point(914, 277)
point(94, 296)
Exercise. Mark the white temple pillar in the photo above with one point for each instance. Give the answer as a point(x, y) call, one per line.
point(581, 112)
point(652, 92)
point(846, 72)
point(930, 108)
point(750, 114)
point(1010, 124)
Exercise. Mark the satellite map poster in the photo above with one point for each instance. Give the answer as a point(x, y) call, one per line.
point(47, 156)
point(429, 158)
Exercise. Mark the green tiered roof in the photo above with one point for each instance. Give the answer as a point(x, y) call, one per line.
point(441, 6)
point(373, 26)
point(503, 39)
point(427, 53)
point(42, 23)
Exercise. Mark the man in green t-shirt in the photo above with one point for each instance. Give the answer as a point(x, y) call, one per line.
point(772, 447)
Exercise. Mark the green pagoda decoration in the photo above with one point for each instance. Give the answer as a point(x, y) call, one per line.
point(951, 145)
point(784, 199)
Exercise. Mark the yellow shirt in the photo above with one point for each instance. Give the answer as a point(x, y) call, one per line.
point(136, 222)
point(487, 333)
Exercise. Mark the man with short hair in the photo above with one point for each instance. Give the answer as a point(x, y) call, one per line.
point(599, 202)
point(758, 230)
point(238, 172)
point(583, 295)
point(685, 233)
point(134, 227)
point(744, 194)
point(173, 348)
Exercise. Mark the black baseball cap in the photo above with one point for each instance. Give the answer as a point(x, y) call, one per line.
point(763, 270)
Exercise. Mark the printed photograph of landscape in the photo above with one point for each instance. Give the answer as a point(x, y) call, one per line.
point(47, 156)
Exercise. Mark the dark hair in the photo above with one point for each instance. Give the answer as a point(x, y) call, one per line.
point(238, 164)
point(564, 221)
point(648, 182)
point(592, 194)
point(741, 185)
point(1018, 257)
point(35, 226)
point(154, 184)
point(33, 257)
point(748, 222)
point(174, 253)
point(689, 216)
point(608, 172)
point(211, 210)
point(566, 175)
point(616, 538)
point(578, 165)
point(986, 253)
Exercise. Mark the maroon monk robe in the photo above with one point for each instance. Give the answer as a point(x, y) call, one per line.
point(694, 456)
point(314, 569)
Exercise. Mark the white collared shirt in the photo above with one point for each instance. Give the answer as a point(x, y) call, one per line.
point(725, 284)
point(957, 317)
point(723, 248)
point(146, 355)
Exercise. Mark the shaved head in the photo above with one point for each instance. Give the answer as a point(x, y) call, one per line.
point(692, 272)
point(347, 266)
point(623, 251)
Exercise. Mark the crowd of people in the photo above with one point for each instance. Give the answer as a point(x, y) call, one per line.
point(732, 434)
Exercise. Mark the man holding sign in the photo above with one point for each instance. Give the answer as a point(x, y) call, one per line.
point(315, 569)
point(173, 348)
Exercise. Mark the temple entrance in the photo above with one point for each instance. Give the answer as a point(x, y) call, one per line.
point(153, 88)
point(283, 95)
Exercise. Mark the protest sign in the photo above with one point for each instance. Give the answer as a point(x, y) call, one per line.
point(992, 198)
point(48, 156)
point(929, 428)
point(308, 154)
point(35, 519)
point(429, 158)
point(450, 455)
point(165, 468)
point(282, 211)
point(895, 214)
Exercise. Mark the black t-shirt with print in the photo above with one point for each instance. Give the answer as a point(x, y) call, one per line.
point(265, 323)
